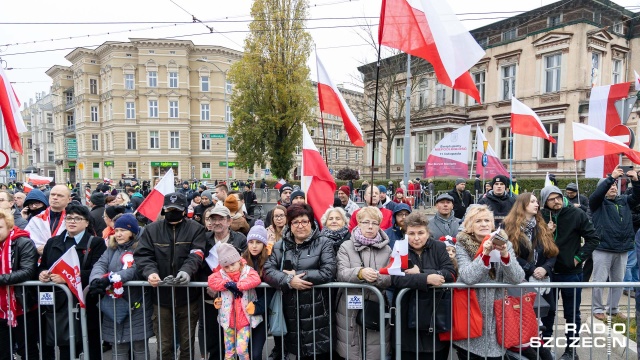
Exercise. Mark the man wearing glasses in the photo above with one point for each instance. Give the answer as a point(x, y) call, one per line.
point(568, 225)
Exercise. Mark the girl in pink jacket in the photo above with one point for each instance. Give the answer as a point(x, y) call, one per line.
point(236, 282)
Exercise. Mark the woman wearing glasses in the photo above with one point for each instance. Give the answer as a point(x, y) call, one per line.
point(302, 259)
point(89, 249)
point(358, 262)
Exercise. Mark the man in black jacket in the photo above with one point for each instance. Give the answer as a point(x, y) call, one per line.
point(498, 199)
point(578, 200)
point(171, 251)
point(97, 212)
point(569, 225)
point(461, 198)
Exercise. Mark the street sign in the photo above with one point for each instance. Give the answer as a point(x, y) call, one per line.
point(164, 164)
point(72, 148)
point(224, 164)
point(213, 136)
point(267, 171)
point(485, 160)
point(624, 134)
point(4, 159)
point(12, 173)
point(80, 166)
point(624, 107)
point(108, 163)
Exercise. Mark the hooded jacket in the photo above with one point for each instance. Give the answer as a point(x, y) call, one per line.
point(395, 232)
point(136, 200)
point(572, 224)
point(613, 217)
point(35, 195)
point(500, 205)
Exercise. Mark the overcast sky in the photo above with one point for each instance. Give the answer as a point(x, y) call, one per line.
point(333, 24)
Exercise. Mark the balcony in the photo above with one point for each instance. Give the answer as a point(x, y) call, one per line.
point(70, 129)
point(69, 105)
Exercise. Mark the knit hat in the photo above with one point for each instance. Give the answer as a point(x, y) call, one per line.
point(258, 232)
point(460, 181)
point(383, 189)
point(345, 189)
point(227, 254)
point(399, 190)
point(500, 178)
point(572, 187)
point(97, 199)
point(127, 222)
point(207, 194)
point(298, 193)
point(231, 203)
point(285, 186)
point(448, 241)
point(185, 182)
point(112, 211)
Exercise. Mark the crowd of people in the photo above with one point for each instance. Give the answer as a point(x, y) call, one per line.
point(210, 236)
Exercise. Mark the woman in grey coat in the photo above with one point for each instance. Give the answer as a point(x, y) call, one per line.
point(474, 267)
point(358, 262)
point(137, 327)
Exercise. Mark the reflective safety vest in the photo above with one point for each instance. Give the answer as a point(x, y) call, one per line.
point(515, 189)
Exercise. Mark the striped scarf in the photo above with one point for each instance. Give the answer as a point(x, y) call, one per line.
point(9, 308)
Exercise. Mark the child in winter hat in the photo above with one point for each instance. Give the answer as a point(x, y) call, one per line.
point(258, 247)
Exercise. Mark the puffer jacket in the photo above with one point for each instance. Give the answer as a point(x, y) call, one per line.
point(499, 205)
point(612, 218)
point(351, 259)
point(167, 249)
point(137, 326)
point(316, 258)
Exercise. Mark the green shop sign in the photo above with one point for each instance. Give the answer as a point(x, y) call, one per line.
point(224, 164)
point(108, 163)
point(213, 136)
point(164, 164)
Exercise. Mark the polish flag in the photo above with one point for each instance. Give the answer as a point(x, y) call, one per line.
point(26, 188)
point(430, 30)
point(280, 183)
point(68, 267)
point(604, 117)
point(494, 165)
point(317, 181)
point(39, 180)
point(332, 102)
point(589, 142)
point(399, 260)
point(637, 82)
point(152, 204)
point(525, 121)
point(10, 108)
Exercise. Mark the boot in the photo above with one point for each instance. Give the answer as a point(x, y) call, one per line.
point(570, 354)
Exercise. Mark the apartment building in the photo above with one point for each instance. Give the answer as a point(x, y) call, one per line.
point(38, 155)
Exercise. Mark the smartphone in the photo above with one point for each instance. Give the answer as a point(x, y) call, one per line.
point(499, 240)
point(626, 168)
point(288, 265)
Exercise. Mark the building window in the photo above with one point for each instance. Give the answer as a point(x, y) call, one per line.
point(597, 17)
point(173, 79)
point(441, 95)
point(337, 154)
point(130, 110)
point(153, 108)
point(49, 137)
point(508, 81)
point(618, 28)
point(554, 20)
point(154, 140)
point(49, 118)
point(509, 34)
point(152, 78)
point(128, 82)
point(29, 144)
point(93, 86)
point(174, 140)
point(94, 114)
point(69, 97)
point(550, 150)
point(329, 133)
point(552, 72)
point(95, 142)
point(173, 109)
point(399, 151)
point(616, 75)
point(595, 68)
point(51, 156)
point(357, 155)
point(204, 83)
point(205, 112)
point(70, 121)
point(206, 170)
point(483, 42)
point(423, 152)
point(132, 168)
point(346, 154)
point(205, 144)
point(505, 133)
point(228, 117)
point(228, 87)
point(479, 80)
point(131, 140)
point(96, 170)
point(423, 101)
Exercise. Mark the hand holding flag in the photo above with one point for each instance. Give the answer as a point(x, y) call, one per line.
point(399, 260)
point(68, 267)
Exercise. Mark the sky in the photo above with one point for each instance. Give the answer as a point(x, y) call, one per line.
point(46, 31)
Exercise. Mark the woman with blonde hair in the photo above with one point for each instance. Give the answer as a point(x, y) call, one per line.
point(474, 266)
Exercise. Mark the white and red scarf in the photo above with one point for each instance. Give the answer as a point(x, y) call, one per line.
point(9, 308)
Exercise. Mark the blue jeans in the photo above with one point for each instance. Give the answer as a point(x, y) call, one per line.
point(571, 299)
point(631, 274)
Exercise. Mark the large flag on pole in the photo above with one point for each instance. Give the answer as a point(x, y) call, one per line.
point(332, 102)
point(68, 267)
point(152, 205)
point(494, 165)
point(450, 157)
point(317, 182)
point(431, 30)
point(525, 121)
point(604, 116)
point(589, 142)
point(399, 258)
point(10, 108)
point(36, 179)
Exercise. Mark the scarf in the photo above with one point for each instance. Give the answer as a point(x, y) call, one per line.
point(335, 235)
point(446, 225)
point(9, 309)
point(359, 239)
point(528, 228)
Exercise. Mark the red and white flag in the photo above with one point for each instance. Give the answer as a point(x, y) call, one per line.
point(317, 181)
point(399, 258)
point(494, 165)
point(637, 82)
point(280, 183)
point(26, 188)
point(525, 121)
point(589, 142)
point(152, 204)
point(431, 30)
point(68, 267)
point(10, 108)
point(332, 102)
point(39, 180)
point(604, 117)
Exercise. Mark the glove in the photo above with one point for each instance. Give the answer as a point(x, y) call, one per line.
point(233, 287)
point(99, 286)
point(182, 278)
point(251, 308)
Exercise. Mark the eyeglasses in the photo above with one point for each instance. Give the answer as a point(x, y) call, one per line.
point(402, 214)
point(278, 216)
point(557, 198)
point(370, 223)
point(300, 223)
point(212, 219)
point(35, 205)
point(72, 219)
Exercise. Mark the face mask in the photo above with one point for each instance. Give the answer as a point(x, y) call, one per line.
point(173, 216)
point(34, 212)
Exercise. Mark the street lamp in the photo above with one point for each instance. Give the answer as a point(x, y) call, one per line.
point(226, 125)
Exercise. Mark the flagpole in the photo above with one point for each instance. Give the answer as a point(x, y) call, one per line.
point(324, 138)
point(473, 156)
point(407, 126)
point(577, 185)
point(511, 137)
point(375, 118)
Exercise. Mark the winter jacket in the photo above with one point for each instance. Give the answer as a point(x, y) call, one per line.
point(612, 218)
point(167, 249)
point(307, 313)
point(138, 325)
point(387, 215)
point(351, 208)
point(433, 259)
point(18, 220)
point(264, 294)
point(97, 218)
point(439, 226)
point(527, 257)
point(136, 200)
point(473, 271)
point(571, 226)
point(388, 203)
point(461, 202)
point(198, 212)
point(395, 233)
point(236, 239)
point(240, 224)
point(24, 267)
point(233, 313)
point(499, 205)
point(584, 202)
point(351, 259)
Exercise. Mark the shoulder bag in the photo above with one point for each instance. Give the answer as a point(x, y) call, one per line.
point(465, 315)
point(277, 323)
point(516, 321)
point(369, 316)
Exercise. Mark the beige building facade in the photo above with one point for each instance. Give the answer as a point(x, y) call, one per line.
point(549, 58)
